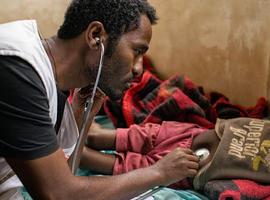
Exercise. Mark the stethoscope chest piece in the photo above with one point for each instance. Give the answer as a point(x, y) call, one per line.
point(202, 153)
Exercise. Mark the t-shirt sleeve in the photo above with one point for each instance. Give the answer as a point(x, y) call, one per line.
point(26, 128)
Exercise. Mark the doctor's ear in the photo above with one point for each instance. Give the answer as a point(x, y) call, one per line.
point(95, 34)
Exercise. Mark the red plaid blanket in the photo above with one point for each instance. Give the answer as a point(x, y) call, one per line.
point(236, 190)
point(176, 99)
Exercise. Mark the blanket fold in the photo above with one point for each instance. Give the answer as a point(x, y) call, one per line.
point(151, 100)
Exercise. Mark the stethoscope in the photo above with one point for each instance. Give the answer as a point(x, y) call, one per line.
point(201, 153)
point(85, 122)
point(86, 115)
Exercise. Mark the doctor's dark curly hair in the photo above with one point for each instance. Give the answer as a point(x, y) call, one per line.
point(117, 16)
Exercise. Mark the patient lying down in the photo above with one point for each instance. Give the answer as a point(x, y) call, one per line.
point(236, 148)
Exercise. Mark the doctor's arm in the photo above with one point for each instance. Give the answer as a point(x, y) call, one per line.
point(50, 178)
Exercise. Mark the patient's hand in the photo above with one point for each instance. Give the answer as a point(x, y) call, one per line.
point(79, 99)
point(177, 165)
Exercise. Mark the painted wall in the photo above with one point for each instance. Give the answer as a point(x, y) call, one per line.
point(222, 45)
point(48, 13)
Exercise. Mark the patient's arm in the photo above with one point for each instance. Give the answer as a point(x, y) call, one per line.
point(100, 138)
point(97, 161)
point(103, 139)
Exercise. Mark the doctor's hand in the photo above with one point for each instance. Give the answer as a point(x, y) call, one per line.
point(80, 97)
point(176, 165)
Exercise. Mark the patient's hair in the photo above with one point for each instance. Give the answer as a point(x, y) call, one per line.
point(117, 16)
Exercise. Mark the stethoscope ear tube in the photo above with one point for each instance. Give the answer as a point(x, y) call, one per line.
point(75, 158)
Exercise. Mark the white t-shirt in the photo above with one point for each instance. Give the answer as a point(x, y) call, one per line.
point(21, 38)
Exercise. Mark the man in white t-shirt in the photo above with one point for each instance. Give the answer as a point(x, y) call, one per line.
point(35, 76)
